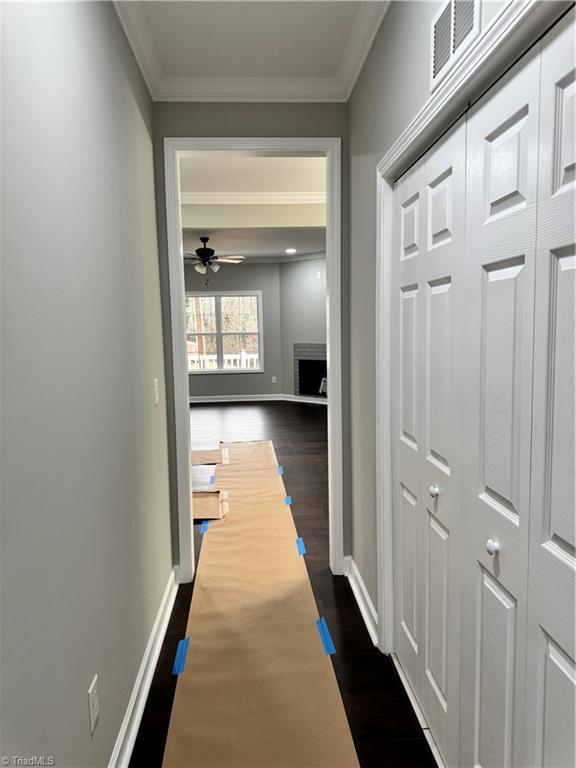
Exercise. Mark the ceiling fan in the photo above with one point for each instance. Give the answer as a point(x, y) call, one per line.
point(205, 257)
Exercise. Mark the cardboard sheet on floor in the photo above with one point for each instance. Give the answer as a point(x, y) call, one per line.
point(259, 453)
point(210, 456)
point(258, 690)
point(203, 478)
point(210, 506)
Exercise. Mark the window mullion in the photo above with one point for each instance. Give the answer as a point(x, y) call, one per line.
point(219, 347)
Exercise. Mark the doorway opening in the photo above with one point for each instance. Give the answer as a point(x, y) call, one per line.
point(233, 338)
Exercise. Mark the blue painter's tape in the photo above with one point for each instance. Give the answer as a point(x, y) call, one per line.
point(300, 546)
point(288, 500)
point(325, 636)
point(180, 658)
point(280, 470)
point(212, 479)
point(204, 526)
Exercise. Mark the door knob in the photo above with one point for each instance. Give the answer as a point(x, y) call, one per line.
point(434, 491)
point(492, 547)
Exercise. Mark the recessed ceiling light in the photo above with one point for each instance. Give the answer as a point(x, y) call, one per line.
point(290, 250)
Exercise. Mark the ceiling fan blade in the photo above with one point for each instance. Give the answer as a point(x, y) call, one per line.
point(230, 260)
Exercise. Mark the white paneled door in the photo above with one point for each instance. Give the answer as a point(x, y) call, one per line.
point(484, 280)
point(431, 216)
point(498, 269)
point(550, 674)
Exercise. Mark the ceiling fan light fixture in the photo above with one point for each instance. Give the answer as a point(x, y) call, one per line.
point(214, 267)
point(200, 268)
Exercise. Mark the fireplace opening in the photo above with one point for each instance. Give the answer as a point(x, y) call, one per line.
point(310, 375)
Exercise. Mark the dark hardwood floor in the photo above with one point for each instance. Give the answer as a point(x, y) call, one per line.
point(385, 729)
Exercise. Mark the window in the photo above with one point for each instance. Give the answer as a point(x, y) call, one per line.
point(224, 332)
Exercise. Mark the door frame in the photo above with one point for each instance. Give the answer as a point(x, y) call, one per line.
point(517, 26)
point(330, 148)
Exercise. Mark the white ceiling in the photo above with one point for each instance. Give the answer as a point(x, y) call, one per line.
point(261, 245)
point(226, 179)
point(251, 51)
point(235, 191)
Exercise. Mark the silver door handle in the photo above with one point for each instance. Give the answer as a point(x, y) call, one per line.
point(492, 547)
point(434, 491)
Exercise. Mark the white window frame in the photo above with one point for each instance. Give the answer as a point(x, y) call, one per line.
point(218, 295)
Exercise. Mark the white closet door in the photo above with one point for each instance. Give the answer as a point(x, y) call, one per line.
point(408, 426)
point(502, 154)
point(444, 193)
point(550, 674)
point(431, 219)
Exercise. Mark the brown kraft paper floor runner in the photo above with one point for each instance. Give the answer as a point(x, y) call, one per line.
point(257, 689)
point(210, 506)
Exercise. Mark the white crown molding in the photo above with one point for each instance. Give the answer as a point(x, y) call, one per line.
point(253, 198)
point(282, 259)
point(136, 29)
point(365, 28)
point(252, 89)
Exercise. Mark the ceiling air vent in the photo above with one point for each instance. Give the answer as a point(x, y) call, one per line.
point(453, 28)
point(464, 15)
point(441, 49)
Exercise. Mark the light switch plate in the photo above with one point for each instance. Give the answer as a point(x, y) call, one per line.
point(156, 392)
point(274, 379)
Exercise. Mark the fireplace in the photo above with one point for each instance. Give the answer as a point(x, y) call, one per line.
point(311, 373)
point(309, 369)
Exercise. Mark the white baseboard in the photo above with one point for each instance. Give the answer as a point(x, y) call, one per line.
point(258, 398)
point(418, 712)
point(129, 729)
point(365, 604)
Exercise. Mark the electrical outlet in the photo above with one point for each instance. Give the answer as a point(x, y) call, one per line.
point(274, 380)
point(93, 704)
point(156, 392)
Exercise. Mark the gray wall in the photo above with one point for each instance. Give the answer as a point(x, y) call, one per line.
point(217, 119)
point(85, 543)
point(303, 310)
point(249, 277)
point(293, 310)
point(392, 87)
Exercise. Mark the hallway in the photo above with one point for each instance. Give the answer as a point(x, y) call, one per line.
point(385, 730)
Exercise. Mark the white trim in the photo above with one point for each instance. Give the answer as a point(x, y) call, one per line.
point(384, 454)
point(363, 599)
point(185, 533)
point(174, 148)
point(137, 32)
point(252, 89)
point(126, 738)
point(410, 693)
point(258, 398)
point(510, 32)
point(219, 333)
point(225, 371)
point(253, 198)
point(508, 35)
point(418, 712)
point(464, 44)
point(282, 259)
point(366, 25)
